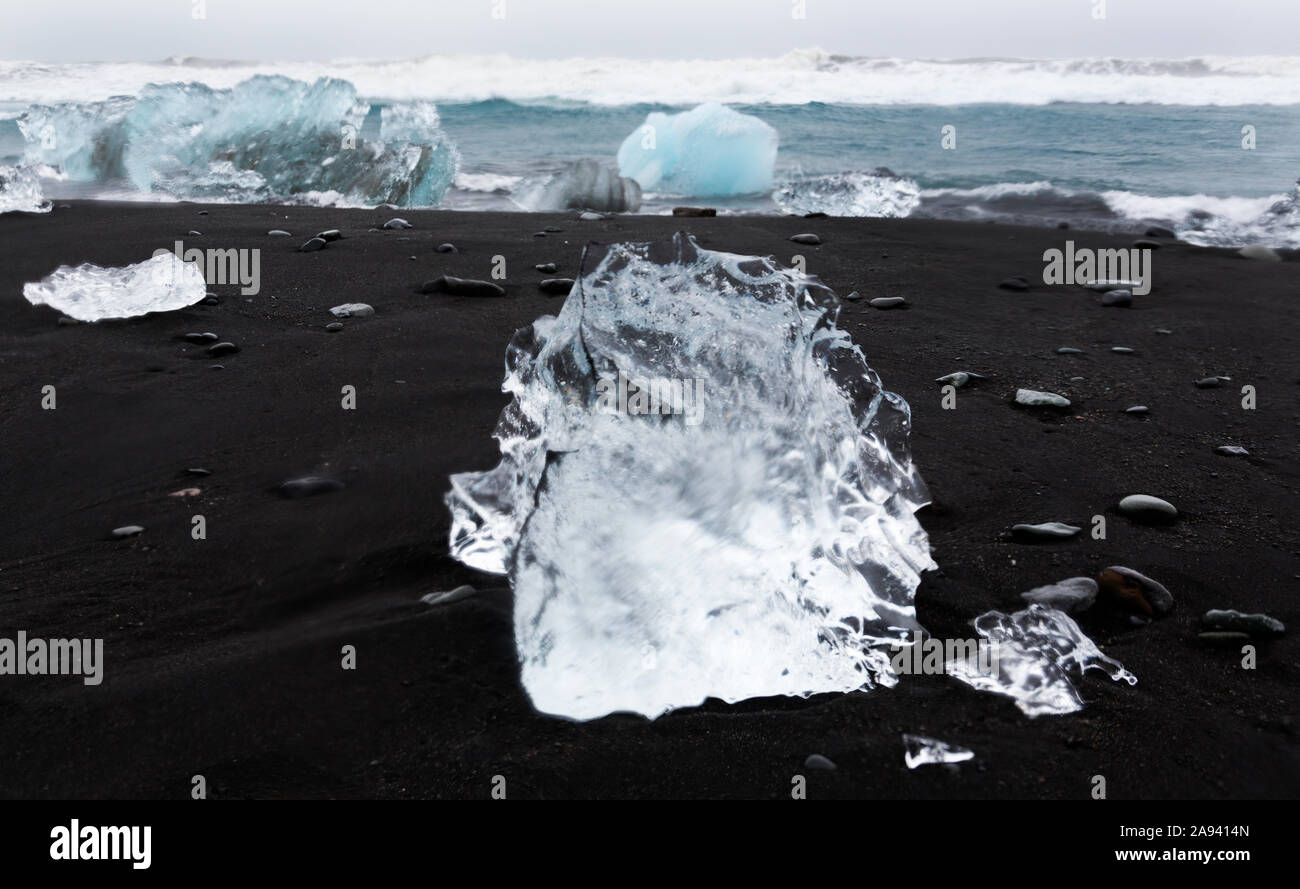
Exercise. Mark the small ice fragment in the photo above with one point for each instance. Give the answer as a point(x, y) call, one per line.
point(20, 191)
point(464, 591)
point(1034, 653)
point(918, 750)
point(94, 293)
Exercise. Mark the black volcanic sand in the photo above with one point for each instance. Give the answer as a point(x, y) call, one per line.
point(223, 655)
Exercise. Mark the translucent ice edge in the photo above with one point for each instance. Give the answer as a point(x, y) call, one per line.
point(1033, 653)
point(704, 490)
point(918, 750)
point(20, 191)
point(94, 293)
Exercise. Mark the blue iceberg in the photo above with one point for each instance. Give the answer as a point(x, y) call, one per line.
point(266, 139)
point(709, 151)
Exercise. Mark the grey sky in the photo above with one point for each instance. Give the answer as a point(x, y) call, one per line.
point(146, 30)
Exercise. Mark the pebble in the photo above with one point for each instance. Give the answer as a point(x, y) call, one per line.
point(206, 337)
point(1069, 595)
point(462, 287)
point(853, 296)
point(334, 326)
point(1259, 251)
point(196, 470)
point(1117, 298)
point(1045, 531)
point(1232, 451)
point(65, 321)
point(1137, 409)
point(556, 286)
point(539, 234)
point(1016, 283)
point(309, 486)
point(1146, 244)
point(447, 248)
point(397, 222)
point(887, 302)
point(1106, 285)
point(1121, 350)
point(806, 238)
point(1163, 331)
point(1069, 350)
point(820, 763)
point(591, 216)
point(1034, 398)
point(1136, 590)
point(1159, 231)
point(547, 267)
point(694, 211)
point(1238, 622)
point(553, 229)
point(352, 310)
point(203, 212)
point(279, 233)
point(218, 349)
point(1209, 383)
point(959, 379)
point(330, 234)
point(193, 234)
point(464, 591)
point(127, 531)
point(311, 245)
point(185, 492)
point(1219, 638)
point(211, 300)
point(1144, 507)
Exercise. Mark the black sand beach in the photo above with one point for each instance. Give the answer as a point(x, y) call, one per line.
point(223, 655)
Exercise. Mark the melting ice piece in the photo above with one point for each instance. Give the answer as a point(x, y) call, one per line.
point(918, 750)
point(878, 193)
point(20, 191)
point(93, 293)
point(1033, 653)
point(709, 151)
point(582, 185)
point(268, 138)
point(704, 491)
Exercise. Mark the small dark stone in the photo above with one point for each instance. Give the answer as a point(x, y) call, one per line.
point(539, 234)
point(193, 234)
point(1118, 298)
point(219, 349)
point(447, 248)
point(694, 211)
point(887, 302)
point(462, 287)
point(397, 222)
point(806, 238)
point(1016, 283)
point(1146, 244)
point(312, 245)
point(548, 267)
point(203, 212)
point(1062, 225)
point(1159, 231)
point(212, 300)
point(207, 337)
point(1209, 383)
point(334, 326)
point(820, 763)
point(330, 234)
point(556, 286)
point(195, 470)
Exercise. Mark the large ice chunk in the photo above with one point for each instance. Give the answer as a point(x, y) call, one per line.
point(94, 293)
point(1034, 653)
point(704, 491)
point(582, 185)
point(266, 139)
point(20, 191)
point(709, 151)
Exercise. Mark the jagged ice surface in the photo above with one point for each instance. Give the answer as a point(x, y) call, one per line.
point(266, 139)
point(768, 548)
point(20, 191)
point(879, 193)
point(709, 151)
point(94, 293)
point(1035, 651)
point(582, 185)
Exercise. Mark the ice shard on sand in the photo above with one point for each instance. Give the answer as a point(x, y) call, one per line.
point(704, 491)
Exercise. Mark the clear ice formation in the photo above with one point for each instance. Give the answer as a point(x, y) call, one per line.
point(20, 191)
point(737, 521)
point(1034, 651)
point(582, 185)
point(266, 139)
point(709, 151)
point(94, 293)
point(918, 750)
point(879, 193)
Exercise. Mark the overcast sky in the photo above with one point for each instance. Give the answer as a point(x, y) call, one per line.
point(270, 30)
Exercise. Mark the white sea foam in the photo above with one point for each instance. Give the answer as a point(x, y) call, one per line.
point(807, 75)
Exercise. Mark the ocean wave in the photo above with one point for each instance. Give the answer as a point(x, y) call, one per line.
point(798, 77)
